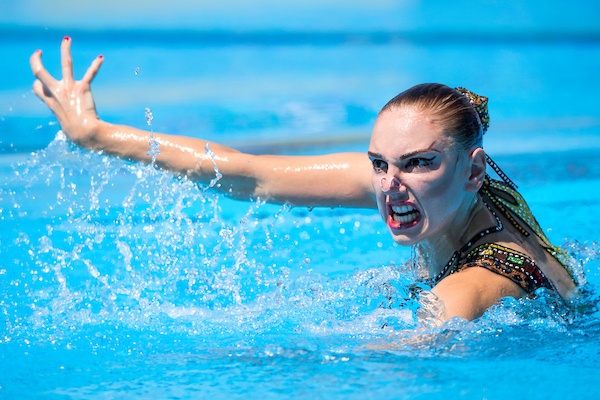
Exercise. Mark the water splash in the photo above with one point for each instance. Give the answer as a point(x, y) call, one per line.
point(119, 244)
point(584, 258)
point(116, 246)
point(153, 144)
point(213, 182)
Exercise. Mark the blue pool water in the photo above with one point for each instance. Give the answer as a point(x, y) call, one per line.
point(121, 281)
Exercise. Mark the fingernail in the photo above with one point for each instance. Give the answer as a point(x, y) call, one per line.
point(100, 56)
point(66, 38)
point(38, 51)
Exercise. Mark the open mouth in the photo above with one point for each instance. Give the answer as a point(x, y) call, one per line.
point(403, 215)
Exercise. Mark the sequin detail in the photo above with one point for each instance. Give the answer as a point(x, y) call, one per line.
point(480, 104)
point(513, 206)
point(511, 264)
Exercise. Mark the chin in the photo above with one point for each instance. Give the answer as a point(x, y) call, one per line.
point(404, 240)
point(405, 234)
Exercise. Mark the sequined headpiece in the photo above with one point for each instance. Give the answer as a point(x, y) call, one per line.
point(480, 103)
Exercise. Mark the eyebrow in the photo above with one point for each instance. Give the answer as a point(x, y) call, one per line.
point(409, 154)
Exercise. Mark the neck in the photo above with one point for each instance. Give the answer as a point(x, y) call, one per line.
point(467, 223)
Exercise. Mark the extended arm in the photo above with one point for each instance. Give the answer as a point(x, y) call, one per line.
point(341, 179)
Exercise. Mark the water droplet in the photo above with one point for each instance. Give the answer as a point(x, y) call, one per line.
point(149, 116)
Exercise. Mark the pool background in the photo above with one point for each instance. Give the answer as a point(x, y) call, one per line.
point(279, 312)
point(274, 71)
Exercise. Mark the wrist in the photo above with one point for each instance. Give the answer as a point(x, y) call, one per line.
point(88, 134)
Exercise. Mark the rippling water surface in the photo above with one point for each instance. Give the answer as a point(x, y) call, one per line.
point(119, 278)
point(121, 281)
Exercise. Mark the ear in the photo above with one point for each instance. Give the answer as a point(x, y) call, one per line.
point(477, 170)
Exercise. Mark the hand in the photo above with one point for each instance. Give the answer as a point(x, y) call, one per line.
point(71, 101)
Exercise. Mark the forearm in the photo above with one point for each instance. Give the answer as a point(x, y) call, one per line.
point(178, 154)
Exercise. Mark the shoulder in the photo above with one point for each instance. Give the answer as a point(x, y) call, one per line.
point(470, 292)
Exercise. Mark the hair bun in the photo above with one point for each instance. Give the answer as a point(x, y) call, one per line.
point(480, 103)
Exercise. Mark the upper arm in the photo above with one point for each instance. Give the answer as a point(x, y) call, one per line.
point(470, 292)
point(340, 179)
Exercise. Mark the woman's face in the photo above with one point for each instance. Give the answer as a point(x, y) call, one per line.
point(419, 176)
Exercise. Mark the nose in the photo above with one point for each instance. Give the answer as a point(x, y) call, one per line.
point(387, 184)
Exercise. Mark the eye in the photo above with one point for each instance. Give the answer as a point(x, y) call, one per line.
point(379, 165)
point(418, 162)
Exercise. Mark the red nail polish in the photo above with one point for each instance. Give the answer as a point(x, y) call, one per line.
point(100, 56)
point(38, 51)
point(67, 38)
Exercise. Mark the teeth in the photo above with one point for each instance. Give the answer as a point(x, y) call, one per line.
point(404, 219)
point(403, 209)
point(405, 214)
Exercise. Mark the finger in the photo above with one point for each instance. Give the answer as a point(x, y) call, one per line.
point(38, 88)
point(91, 72)
point(35, 61)
point(66, 60)
point(41, 90)
point(44, 94)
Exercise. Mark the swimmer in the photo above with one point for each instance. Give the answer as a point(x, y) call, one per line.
point(425, 171)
